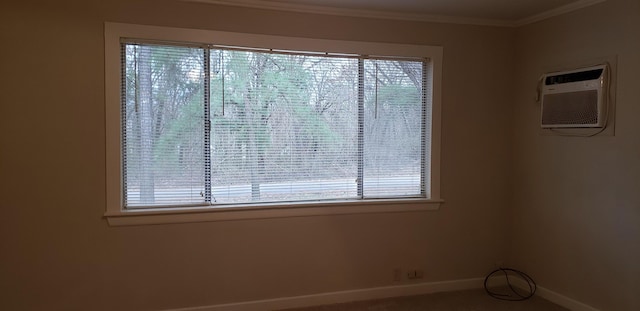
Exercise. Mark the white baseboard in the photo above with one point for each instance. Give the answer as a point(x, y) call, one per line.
point(564, 301)
point(343, 296)
point(384, 292)
point(554, 297)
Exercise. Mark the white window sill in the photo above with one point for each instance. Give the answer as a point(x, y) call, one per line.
point(209, 213)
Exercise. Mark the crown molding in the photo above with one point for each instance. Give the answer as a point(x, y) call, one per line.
point(574, 6)
point(314, 9)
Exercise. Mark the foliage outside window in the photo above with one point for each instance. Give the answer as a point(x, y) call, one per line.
point(207, 125)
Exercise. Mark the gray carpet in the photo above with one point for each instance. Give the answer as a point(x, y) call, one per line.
point(468, 300)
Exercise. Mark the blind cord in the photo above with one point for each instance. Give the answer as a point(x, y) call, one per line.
point(512, 294)
point(376, 100)
point(222, 71)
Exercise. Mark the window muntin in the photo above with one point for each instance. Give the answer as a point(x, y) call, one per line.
point(284, 127)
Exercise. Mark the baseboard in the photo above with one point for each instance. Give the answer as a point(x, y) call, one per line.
point(554, 297)
point(384, 292)
point(344, 296)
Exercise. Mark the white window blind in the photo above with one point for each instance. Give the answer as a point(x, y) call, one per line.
point(163, 116)
point(394, 129)
point(204, 125)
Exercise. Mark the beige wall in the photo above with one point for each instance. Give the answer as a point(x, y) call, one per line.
point(574, 221)
point(576, 209)
point(58, 253)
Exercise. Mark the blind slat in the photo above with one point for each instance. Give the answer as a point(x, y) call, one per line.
point(223, 126)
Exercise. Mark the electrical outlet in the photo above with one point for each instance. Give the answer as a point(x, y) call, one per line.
point(415, 274)
point(419, 274)
point(397, 275)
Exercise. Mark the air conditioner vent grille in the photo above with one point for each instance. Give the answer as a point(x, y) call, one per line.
point(574, 77)
point(580, 108)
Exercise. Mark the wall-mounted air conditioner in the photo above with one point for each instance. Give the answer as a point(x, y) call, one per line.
point(575, 98)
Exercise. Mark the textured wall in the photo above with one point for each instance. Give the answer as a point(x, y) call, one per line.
point(577, 205)
point(58, 253)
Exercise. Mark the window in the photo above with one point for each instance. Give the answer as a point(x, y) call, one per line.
point(202, 122)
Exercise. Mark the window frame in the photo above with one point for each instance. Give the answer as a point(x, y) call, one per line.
point(116, 214)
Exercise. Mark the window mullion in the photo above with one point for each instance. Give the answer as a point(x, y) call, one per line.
point(425, 139)
point(123, 124)
point(207, 127)
point(360, 179)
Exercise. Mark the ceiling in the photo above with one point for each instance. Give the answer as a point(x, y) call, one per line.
point(486, 12)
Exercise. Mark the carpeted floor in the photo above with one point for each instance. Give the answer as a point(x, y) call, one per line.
point(468, 300)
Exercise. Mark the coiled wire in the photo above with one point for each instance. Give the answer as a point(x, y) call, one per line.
point(511, 293)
